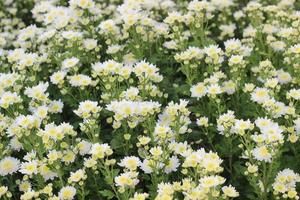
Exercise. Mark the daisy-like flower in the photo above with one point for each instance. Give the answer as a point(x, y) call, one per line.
point(172, 165)
point(230, 191)
point(9, 98)
point(262, 154)
point(58, 77)
point(67, 193)
point(87, 108)
point(130, 162)
point(29, 168)
point(37, 92)
point(80, 80)
point(199, 90)
point(127, 179)
point(77, 176)
point(69, 63)
point(260, 95)
point(9, 165)
point(211, 181)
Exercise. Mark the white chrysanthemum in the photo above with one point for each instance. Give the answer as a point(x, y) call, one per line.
point(165, 188)
point(100, 150)
point(15, 144)
point(211, 181)
point(9, 165)
point(71, 35)
point(294, 94)
point(37, 92)
point(82, 3)
point(139, 196)
point(130, 162)
point(41, 112)
point(263, 122)
point(9, 98)
point(147, 166)
point(172, 165)
point(229, 87)
point(214, 89)
point(46, 172)
point(90, 44)
point(285, 182)
point(77, 176)
point(87, 108)
point(69, 63)
point(67, 193)
point(283, 77)
point(29, 168)
point(84, 147)
point(127, 179)
point(56, 106)
point(295, 49)
point(27, 195)
point(108, 27)
point(28, 121)
point(80, 80)
point(260, 95)
point(241, 125)
point(230, 191)
point(262, 154)
point(58, 77)
point(199, 90)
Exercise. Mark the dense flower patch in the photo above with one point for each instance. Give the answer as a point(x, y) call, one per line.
point(149, 99)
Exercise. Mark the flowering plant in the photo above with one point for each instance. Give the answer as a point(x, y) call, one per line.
point(149, 99)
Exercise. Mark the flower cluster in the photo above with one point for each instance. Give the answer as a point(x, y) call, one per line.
point(149, 100)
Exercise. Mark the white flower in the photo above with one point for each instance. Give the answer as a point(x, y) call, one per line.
point(28, 121)
point(67, 193)
point(58, 77)
point(69, 63)
point(230, 191)
point(80, 80)
point(147, 167)
point(100, 150)
point(172, 165)
point(211, 181)
point(214, 89)
point(130, 162)
point(71, 35)
point(9, 165)
point(29, 168)
point(3, 190)
point(260, 95)
point(37, 92)
point(87, 108)
point(127, 179)
point(262, 154)
point(156, 151)
point(15, 144)
point(294, 94)
point(199, 90)
point(283, 77)
point(47, 173)
point(84, 147)
point(9, 98)
point(235, 60)
point(56, 106)
point(77, 176)
point(90, 44)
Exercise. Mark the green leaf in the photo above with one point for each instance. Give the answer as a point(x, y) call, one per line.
point(107, 193)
